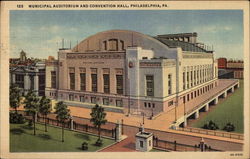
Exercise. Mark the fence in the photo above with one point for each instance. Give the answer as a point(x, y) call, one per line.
point(80, 127)
point(174, 146)
point(213, 132)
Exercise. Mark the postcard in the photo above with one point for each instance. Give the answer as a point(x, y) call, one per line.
point(131, 79)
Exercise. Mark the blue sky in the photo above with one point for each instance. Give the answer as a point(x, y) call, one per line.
point(39, 33)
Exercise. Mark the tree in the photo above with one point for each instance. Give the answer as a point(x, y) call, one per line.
point(45, 109)
point(229, 127)
point(32, 106)
point(63, 114)
point(15, 97)
point(98, 118)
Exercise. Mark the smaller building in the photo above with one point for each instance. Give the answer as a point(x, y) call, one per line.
point(230, 68)
point(144, 141)
point(28, 74)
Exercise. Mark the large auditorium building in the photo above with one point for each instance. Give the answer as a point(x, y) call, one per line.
point(132, 72)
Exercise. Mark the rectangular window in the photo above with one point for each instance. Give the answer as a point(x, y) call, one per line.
point(150, 85)
point(93, 100)
point(119, 103)
point(82, 99)
point(184, 81)
point(113, 44)
point(119, 84)
point(72, 80)
point(53, 79)
point(83, 81)
point(170, 103)
point(188, 97)
point(71, 97)
point(106, 84)
point(19, 79)
point(94, 82)
point(187, 80)
point(141, 144)
point(169, 84)
point(145, 104)
point(191, 74)
point(149, 105)
point(105, 101)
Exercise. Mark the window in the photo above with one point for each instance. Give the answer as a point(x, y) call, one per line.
point(53, 79)
point(191, 74)
point(82, 81)
point(170, 103)
point(188, 97)
point(105, 101)
point(93, 100)
point(82, 99)
point(184, 81)
point(194, 77)
point(187, 79)
point(71, 97)
point(169, 84)
point(122, 45)
point(72, 80)
point(106, 84)
point(105, 45)
point(113, 44)
point(149, 143)
point(153, 105)
point(184, 99)
point(141, 144)
point(145, 104)
point(150, 85)
point(192, 95)
point(19, 79)
point(119, 103)
point(94, 82)
point(149, 105)
point(119, 84)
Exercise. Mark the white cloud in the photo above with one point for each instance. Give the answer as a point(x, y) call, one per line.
point(52, 29)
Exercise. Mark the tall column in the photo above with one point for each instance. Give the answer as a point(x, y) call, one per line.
point(13, 78)
point(112, 77)
point(100, 80)
point(88, 80)
point(26, 82)
point(36, 84)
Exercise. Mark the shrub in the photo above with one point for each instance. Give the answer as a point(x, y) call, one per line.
point(16, 118)
point(85, 146)
point(210, 125)
point(229, 127)
point(98, 142)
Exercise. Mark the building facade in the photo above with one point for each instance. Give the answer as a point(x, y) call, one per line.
point(28, 74)
point(132, 72)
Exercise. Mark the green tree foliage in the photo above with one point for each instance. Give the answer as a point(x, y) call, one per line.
point(63, 114)
point(98, 118)
point(45, 109)
point(15, 97)
point(32, 106)
point(210, 125)
point(229, 127)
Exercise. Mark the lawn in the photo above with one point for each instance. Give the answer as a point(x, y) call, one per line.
point(230, 110)
point(23, 140)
